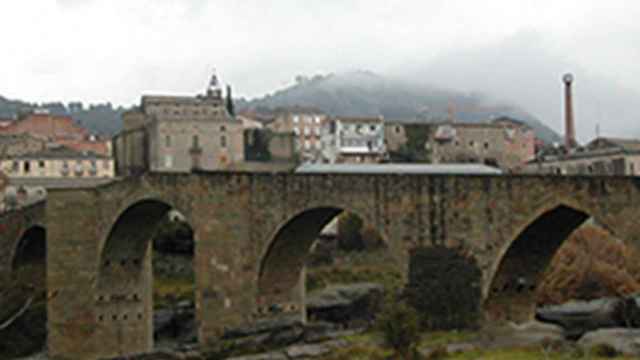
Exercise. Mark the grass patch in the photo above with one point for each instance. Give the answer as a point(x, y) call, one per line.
point(356, 267)
point(168, 290)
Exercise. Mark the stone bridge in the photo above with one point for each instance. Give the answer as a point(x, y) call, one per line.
point(253, 230)
point(22, 237)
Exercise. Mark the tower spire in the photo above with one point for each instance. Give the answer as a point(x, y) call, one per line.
point(214, 90)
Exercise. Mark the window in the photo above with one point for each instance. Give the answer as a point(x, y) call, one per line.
point(168, 161)
point(195, 141)
point(167, 141)
point(296, 131)
point(486, 145)
point(15, 166)
point(307, 144)
point(306, 130)
point(223, 128)
point(27, 167)
point(41, 164)
point(223, 141)
point(397, 129)
point(296, 119)
point(317, 119)
point(318, 145)
point(472, 144)
point(372, 128)
point(632, 169)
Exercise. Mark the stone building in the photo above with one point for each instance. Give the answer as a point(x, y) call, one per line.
point(306, 124)
point(179, 134)
point(58, 162)
point(354, 140)
point(602, 156)
point(20, 144)
point(55, 129)
point(505, 143)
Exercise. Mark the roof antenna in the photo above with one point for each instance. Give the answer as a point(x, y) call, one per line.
point(597, 130)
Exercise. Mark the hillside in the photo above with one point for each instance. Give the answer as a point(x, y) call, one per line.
point(357, 93)
point(364, 93)
point(101, 119)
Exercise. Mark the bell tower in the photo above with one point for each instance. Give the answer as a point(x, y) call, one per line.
point(214, 90)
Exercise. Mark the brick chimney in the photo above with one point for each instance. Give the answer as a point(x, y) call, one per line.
point(569, 125)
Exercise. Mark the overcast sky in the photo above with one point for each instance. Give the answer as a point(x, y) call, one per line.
point(116, 50)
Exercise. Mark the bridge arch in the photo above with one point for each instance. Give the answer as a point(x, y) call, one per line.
point(281, 270)
point(31, 247)
point(509, 294)
point(124, 286)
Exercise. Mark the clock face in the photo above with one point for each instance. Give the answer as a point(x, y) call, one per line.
point(568, 78)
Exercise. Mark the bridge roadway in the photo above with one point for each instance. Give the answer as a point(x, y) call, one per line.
point(253, 231)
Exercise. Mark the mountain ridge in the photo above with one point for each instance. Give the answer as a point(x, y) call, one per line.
point(364, 93)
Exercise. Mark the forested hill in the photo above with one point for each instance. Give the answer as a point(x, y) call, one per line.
point(101, 119)
point(364, 93)
point(350, 94)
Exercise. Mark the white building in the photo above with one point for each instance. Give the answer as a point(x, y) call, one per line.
point(354, 140)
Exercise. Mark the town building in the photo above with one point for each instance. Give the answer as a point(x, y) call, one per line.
point(20, 144)
point(249, 122)
point(505, 143)
point(55, 129)
point(354, 140)
point(58, 162)
point(179, 134)
point(306, 124)
point(602, 156)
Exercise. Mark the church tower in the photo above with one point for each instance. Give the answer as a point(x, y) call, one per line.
point(214, 90)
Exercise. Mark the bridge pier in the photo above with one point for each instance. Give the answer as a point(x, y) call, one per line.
point(253, 231)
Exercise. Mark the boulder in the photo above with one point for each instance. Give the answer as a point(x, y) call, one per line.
point(534, 332)
point(175, 324)
point(348, 305)
point(314, 350)
point(579, 317)
point(262, 326)
point(531, 334)
point(323, 331)
point(266, 356)
point(624, 341)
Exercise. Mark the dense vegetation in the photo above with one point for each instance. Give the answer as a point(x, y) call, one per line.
point(102, 119)
point(591, 264)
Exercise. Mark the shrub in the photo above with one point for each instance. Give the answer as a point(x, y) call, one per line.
point(444, 288)
point(440, 352)
point(604, 350)
point(398, 323)
point(349, 227)
point(591, 264)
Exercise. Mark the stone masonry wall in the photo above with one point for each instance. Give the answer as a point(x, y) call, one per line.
point(248, 250)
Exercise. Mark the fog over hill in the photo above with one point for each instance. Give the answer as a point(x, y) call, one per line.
point(526, 70)
point(363, 93)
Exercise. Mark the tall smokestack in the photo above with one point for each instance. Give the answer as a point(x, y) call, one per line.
point(569, 125)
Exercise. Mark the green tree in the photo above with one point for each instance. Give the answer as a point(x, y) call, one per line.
point(256, 145)
point(398, 323)
point(230, 107)
point(414, 150)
